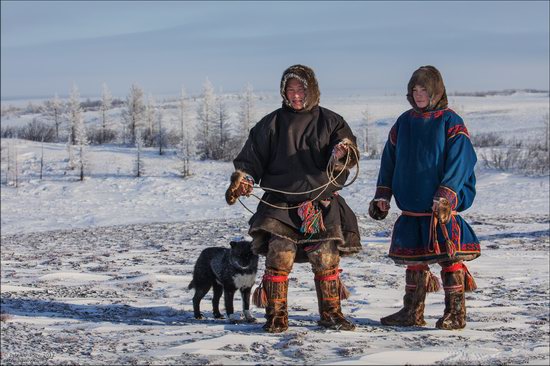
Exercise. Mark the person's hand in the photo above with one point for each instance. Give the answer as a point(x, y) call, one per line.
point(442, 209)
point(340, 150)
point(378, 209)
point(241, 185)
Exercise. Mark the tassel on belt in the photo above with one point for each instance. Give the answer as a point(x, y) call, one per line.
point(434, 223)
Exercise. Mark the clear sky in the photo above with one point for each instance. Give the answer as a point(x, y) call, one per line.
point(46, 46)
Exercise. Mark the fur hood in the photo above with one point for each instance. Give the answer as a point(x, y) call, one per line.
point(307, 77)
point(430, 78)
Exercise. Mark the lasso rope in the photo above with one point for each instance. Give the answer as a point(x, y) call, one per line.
point(331, 180)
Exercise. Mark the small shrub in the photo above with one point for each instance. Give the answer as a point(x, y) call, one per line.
point(487, 139)
point(37, 131)
point(98, 136)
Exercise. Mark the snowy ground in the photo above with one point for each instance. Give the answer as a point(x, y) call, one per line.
point(96, 272)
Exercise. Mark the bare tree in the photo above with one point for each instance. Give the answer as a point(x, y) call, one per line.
point(134, 113)
point(220, 133)
point(160, 133)
point(139, 166)
point(106, 104)
point(75, 113)
point(369, 135)
point(206, 118)
point(247, 112)
point(546, 121)
point(81, 142)
point(186, 146)
point(71, 162)
point(150, 114)
point(41, 159)
point(54, 109)
point(182, 109)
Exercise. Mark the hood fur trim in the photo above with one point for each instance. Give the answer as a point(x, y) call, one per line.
point(307, 77)
point(430, 78)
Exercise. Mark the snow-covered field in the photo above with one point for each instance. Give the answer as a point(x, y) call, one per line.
point(96, 272)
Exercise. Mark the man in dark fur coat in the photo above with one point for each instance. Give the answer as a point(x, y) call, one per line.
point(292, 153)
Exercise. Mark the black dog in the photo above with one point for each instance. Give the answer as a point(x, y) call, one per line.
point(227, 270)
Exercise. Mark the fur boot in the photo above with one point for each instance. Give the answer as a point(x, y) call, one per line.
point(330, 290)
point(275, 285)
point(454, 316)
point(419, 281)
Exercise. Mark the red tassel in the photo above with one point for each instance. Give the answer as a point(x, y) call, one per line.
point(451, 249)
point(469, 282)
point(343, 290)
point(433, 284)
point(259, 298)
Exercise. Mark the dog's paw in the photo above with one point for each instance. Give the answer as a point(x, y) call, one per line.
point(234, 318)
point(218, 316)
point(199, 316)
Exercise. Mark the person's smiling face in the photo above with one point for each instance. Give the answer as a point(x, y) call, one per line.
point(295, 93)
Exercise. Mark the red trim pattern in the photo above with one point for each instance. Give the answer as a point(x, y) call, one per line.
point(457, 130)
point(270, 278)
point(426, 115)
point(447, 193)
point(419, 252)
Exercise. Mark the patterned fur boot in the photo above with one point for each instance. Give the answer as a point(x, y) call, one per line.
point(329, 292)
point(454, 278)
point(275, 285)
point(419, 281)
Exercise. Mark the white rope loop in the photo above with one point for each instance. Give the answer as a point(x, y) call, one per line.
point(331, 180)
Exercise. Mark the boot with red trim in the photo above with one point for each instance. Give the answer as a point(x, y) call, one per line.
point(456, 281)
point(419, 281)
point(272, 294)
point(330, 290)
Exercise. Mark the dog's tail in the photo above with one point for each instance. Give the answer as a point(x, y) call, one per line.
point(191, 285)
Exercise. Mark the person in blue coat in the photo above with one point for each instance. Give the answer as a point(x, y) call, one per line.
point(428, 167)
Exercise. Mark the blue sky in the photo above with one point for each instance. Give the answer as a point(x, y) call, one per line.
point(47, 46)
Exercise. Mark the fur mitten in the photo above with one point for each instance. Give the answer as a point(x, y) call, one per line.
point(241, 185)
point(444, 211)
point(344, 151)
point(375, 212)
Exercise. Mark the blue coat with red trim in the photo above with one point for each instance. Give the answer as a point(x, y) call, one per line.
point(427, 156)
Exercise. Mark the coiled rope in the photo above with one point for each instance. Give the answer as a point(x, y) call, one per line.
point(329, 171)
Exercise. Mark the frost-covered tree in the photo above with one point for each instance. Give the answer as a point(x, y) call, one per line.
point(546, 121)
point(139, 168)
point(186, 146)
point(206, 115)
point(150, 114)
point(369, 135)
point(220, 133)
point(133, 115)
point(75, 114)
point(54, 109)
point(247, 112)
point(71, 161)
point(161, 138)
point(182, 107)
point(106, 104)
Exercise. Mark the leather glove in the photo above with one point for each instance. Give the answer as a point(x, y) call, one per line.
point(241, 185)
point(443, 210)
point(375, 212)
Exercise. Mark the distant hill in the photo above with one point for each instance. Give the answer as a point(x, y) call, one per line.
point(497, 92)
